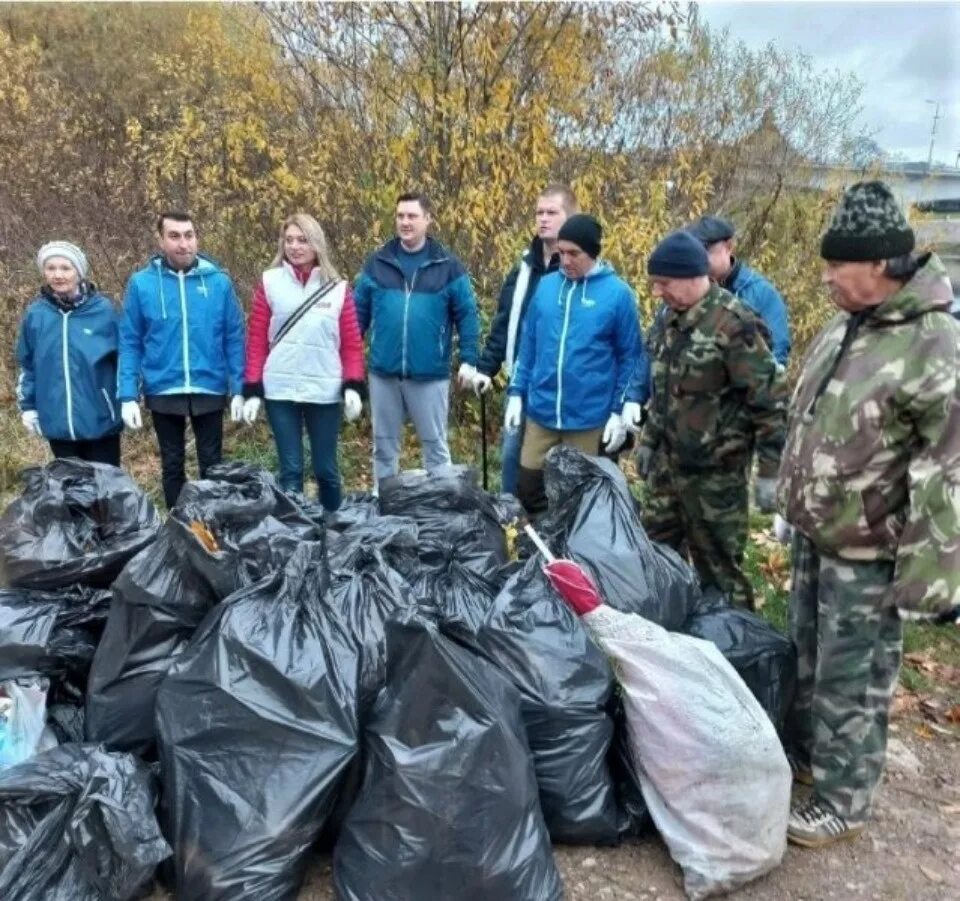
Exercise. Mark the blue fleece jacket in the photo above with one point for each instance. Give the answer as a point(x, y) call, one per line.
point(581, 351)
point(758, 294)
point(411, 323)
point(68, 368)
point(181, 333)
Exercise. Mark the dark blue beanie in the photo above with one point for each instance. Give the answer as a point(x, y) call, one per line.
point(678, 255)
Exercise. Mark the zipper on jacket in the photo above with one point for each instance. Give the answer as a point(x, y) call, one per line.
point(560, 355)
point(163, 300)
point(407, 291)
point(184, 323)
point(66, 373)
point(106, 397)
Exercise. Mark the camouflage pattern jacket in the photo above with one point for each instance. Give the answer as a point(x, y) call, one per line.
point(717, 391)
point(871, 468)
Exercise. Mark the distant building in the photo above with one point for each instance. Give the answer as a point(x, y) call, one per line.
point(912, 183)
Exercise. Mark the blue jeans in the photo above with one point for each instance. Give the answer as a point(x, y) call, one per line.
point(287, 419)
point(511, 440)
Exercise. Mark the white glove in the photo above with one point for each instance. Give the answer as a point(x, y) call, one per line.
point(130, 414)
point(31, 422)
point(236, 408)
point(465, 375)
point(782, 529)
point(251, 410)
point(514, 415)
point(481, 383)
point(632, 416)
point(614, 434)
point(352, 405)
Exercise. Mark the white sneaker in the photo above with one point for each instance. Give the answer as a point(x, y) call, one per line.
point(813, 825)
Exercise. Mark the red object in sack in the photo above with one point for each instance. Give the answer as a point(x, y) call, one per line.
point(574, 585)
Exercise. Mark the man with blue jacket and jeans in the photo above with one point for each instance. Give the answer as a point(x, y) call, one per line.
point(582, 373)
point(410, 297)
point(182, 346)
point(717, 235)
point(555, 203)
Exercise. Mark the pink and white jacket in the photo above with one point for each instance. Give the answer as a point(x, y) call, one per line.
point(320, 357)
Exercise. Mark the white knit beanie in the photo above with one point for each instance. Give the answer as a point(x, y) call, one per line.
point(64, 249)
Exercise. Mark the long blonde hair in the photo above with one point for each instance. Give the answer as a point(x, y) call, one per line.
point(315, 238)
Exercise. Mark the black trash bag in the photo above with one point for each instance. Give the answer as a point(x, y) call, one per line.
point(566, 685)
point(449, 805)
point(593, 519)
point(456, 519)
point(237, 526)
point(257, 725)
point(356, 509)
point(396, 538)
point(77, 823)
point(227, 531)
point(159, 600)
point(366, 591)
point(765, 659)
point(52, 634)
point(459, 600)
point(508, 509)
point(634, 814)
point(67, 722)
point(75, 522)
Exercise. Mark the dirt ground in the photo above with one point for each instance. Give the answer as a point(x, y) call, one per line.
point(911, 849)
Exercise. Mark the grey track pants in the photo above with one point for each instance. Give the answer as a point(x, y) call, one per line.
point(426, 403)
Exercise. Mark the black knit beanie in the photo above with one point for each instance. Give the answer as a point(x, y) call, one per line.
point(679, 255)
point(584, 231)
point(867, 225)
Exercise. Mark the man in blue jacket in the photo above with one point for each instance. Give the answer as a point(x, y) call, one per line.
point(410, 297)
point(581, 360)
point(717, 235)
point(182, 347)
point(554, 205)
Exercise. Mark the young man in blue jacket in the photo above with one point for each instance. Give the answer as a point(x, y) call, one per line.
point(182, 347)
point(554, 205)
point(581, 361)
point(717, 235)
point(410, 297)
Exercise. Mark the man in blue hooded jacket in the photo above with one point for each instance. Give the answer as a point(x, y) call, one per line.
point(182, 347)
point(410, 297)
point(555, 204)
point(582, 368)
point(717, 236)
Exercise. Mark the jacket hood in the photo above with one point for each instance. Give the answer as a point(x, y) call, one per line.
point(928, 291)
point(204, 265)
point(601, 271)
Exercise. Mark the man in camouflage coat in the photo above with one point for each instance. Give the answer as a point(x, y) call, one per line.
point(870, 480)
point(717, 394)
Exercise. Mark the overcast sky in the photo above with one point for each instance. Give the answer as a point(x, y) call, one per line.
point(904, 53)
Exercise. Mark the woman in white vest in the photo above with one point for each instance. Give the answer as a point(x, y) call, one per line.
point(304, 355)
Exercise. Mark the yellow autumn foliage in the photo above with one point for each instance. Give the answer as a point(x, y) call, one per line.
point(245, 113)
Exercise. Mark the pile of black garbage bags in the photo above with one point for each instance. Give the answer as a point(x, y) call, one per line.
point(247, 680)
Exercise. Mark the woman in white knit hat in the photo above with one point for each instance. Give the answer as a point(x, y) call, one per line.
point(67, 351)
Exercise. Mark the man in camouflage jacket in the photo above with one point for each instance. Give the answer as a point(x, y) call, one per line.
point(870, 480)
point(717, 394)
